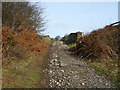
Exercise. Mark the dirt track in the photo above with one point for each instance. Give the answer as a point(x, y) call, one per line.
point(65, 71)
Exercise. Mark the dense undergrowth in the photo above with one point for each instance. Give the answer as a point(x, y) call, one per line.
point(99, 44)
point(14, 45)
point(100, 49)
point(23, 58)
point(23, 49)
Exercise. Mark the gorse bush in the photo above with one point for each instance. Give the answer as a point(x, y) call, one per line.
point(99, 44)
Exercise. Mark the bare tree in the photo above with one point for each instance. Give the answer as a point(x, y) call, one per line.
point(29, 15)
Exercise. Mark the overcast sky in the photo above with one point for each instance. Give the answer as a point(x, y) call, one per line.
point(66, 17)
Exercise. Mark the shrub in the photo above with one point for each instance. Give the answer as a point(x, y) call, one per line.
point(99, 44)
point(20, 46)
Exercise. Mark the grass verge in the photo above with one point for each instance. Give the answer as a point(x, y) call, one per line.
point(25, 73)
point(107, 67)
point(72, 45)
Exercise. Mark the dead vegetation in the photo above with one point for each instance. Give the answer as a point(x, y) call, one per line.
point(22, 54)
point(26, 41)
point(23, 48)
point(100, 49)
point(100, 44)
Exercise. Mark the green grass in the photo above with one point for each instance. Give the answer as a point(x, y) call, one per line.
point(23, 73)
point(108, 68)
point(72, 45)
point(17, 80)
point(104, 70)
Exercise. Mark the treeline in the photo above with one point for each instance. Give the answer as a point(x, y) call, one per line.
point(17, 14)
point(21, 22)
point(99, 44)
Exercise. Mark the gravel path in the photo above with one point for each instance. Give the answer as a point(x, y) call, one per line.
point(65, 71)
